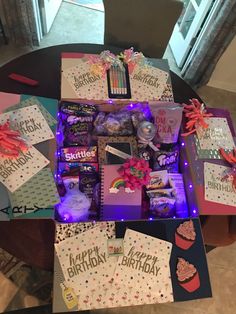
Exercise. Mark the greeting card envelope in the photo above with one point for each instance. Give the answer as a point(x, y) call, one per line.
point(145, 264)
point(79, 83)
point(36, 198)
point(118, 202)
point(194, 172)
point(30, 122)
point(140, 235)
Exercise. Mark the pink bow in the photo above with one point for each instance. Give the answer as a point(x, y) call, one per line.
point(11, 144)
point(195, 113)
point(135, 173)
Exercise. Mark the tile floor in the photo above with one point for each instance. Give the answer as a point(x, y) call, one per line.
point(81, 25)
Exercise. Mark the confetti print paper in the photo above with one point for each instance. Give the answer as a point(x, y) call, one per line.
point(85, 84)
point(85, 262)
point(216, 190)
point(15, 172)
point(217, 135)
point(30, 122)
point(34, 101)
point(147, 83)
point(39, 192)
point(145, 264)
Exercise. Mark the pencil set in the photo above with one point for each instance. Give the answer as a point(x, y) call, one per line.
point(118, 82)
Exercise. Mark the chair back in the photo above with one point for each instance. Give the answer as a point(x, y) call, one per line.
point(146, 25)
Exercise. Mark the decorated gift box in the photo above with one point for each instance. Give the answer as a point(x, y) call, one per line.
point(110, 78)
point(27, 147)
point(127, 187)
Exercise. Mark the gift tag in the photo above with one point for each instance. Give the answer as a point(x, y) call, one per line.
point(15, 172)
point(30, 122)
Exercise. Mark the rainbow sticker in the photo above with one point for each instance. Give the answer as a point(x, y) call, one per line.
point(116, 184)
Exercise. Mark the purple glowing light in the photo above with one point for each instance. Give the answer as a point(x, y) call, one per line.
point(174, 217)
point(183, 144)
point(190, 186)
point(110, 101)
point(122, 219)
point(150, 218)
point(194, 211)
point(185, 163)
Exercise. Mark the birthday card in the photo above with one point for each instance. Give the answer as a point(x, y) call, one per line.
point(147, 83)
point(30, 122)
point(218, 185)
point(15, 172)
point(216, 135)
point(85, 262)
point(145, 264)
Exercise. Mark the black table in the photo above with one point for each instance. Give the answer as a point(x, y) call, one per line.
point(44, 66)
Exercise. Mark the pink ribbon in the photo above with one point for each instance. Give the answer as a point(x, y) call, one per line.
point(11, 144)
point(135, 173)
point(195, 113)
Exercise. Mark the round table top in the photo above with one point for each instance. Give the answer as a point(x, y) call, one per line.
point(44, 66)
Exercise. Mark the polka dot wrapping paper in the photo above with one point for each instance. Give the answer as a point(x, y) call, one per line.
point(216, 190)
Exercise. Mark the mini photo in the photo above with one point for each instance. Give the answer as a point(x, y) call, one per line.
point(115, 247)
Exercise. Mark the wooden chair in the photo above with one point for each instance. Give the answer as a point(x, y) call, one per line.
point(146, 25)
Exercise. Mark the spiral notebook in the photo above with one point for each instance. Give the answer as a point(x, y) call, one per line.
point(117, 202)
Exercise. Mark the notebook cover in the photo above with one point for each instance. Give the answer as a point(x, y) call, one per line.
point(116, 202)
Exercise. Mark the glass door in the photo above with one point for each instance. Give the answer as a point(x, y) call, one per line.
point(188, 27)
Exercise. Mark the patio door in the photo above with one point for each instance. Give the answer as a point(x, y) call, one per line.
point(188, 27)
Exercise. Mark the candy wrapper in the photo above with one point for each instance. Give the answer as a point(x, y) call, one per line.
point(77, 123)
point(114, 123)
point(163, 207)
point(167, 119)
point(166, 159)
point(158, 179)
point(79, 154)
point(89, 184)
